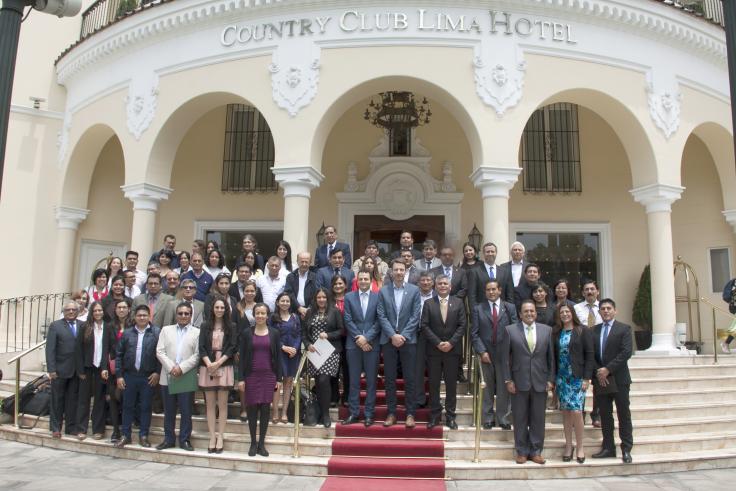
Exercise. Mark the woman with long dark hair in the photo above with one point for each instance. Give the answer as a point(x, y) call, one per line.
point(323, 321)
point(283, 252)
point(290, 331)
point(215, 264)
point(545, 308)
point(470, 257)
point(117, 293)
point(217, 345)
point(563, 294)
point(120, 322)
point(114, 268)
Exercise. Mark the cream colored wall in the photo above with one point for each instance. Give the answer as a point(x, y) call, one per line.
point(697, 224)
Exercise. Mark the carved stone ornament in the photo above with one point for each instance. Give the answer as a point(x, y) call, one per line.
point(351, 185)
point(140, 103)
point(499, 76)
point(294, 75)
point(664, 107)
point(62, 137)
point(399, 198)
point(446, 186)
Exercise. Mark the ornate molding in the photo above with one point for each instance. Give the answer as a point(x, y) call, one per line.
point(62, 138)
point(294, 75)
point(145, 196)
point(499, 74)
point(657, 197)
point(664, 104)
point(69, 217)
point(298, 181)
point(730, 216)
point(382, 149)
point(140, 103)
point(495, 182)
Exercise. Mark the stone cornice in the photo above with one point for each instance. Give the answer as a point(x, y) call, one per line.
point(648, 18)
point(657, 197)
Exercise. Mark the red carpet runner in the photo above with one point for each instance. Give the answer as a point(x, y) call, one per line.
point(386, 459)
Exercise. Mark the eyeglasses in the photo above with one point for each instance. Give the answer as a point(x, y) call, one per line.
point(184, 314)
point(189, 287)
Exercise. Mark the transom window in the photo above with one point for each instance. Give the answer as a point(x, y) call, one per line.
point(249, 151)
point(550, 150)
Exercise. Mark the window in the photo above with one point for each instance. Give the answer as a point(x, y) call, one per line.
point(720, 268)
point(550, 150)
point(249, 151)
point(400, 141)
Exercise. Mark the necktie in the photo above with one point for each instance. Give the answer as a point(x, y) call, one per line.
point(152, 303)
point(429, 265)
point(448, 272)
point(530, 338)
point(364, 303)
point(591, 316)
point(443, 309)
point(490, 273)
point(329, 251)
point(337, 271)
point(495, 322)
point(73, 328)
point(604, 337)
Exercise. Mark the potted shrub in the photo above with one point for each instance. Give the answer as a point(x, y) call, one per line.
point(125, 7)
point(642, 313)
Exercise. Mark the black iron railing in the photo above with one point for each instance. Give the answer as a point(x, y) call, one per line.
point(24, 320)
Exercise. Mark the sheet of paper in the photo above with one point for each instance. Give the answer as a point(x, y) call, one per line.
point(322, 350)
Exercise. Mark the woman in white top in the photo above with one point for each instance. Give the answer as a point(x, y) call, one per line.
point(215, 264)
point(114, 268)
point(283, 252)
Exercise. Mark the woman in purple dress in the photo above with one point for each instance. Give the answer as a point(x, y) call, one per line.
point(260, 366)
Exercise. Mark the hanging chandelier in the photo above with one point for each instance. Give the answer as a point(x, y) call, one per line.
point(397, 110)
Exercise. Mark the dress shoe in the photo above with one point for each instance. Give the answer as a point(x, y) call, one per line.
point(604, 454)
point(243, 418)
point(122, 442)
point(568, 458)
point(253, 449)
point(261, 450)
point(81, 436)
point(186, 445)
point(432, 422)
point(410, 422)
point(114, 437)
point(164, 446)
point(537, 459)
point(97, 436)
point(521, 459)
point(505, 426)
point(596, 423)
point(56, 435)
point(461, 377)
point(390, 420)
point(626, 456)
point(350, 420)
point(143, 442)
point(326, 422)
point(450, 423)
point(368, 422)
point(488, 425)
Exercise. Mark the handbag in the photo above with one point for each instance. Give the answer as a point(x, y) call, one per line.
point(309, 411)
point(610, 388)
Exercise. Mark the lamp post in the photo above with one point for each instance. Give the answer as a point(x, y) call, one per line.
point(729, 23)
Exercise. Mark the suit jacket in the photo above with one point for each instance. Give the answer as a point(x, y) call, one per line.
point(61, 348)
point(507, 267)
point(229, 344)
point(197, 312)
point(582, 352)
point(159, 308)
point(477, 279)
point(458, 283)
point(166, 351)
point(524, 292)
point(321, 259)
point(235, 292)
point(86, 348)
point(324, 277)
point(617, 352)
point(412, 278)
point(435, 330)
point(357, 325)
point(406, 320)
point(310, 287)
point(529, 371)
point(234, 314)
point(481, 328)
point(421, 264)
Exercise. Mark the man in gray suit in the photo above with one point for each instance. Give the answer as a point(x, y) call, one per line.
point(61, 356)
point(154, 298)
point(187, 289)
point(429, 259)
point(488, 334)
point(529, 368)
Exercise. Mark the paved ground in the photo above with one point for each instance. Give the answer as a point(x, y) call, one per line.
point(28, 467)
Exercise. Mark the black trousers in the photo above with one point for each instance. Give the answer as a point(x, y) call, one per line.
point(420, 397)
point(64, 397)
point(625, 429)
point(95, 388)
point(442, 365)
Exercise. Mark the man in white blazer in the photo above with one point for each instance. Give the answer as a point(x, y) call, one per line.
point(178, 352)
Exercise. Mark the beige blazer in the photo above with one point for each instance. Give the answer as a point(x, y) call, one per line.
point(166, 351)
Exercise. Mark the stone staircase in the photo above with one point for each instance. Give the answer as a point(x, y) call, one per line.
point(683, 409)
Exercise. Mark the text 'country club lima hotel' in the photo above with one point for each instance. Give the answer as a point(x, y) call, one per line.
point(597, 133)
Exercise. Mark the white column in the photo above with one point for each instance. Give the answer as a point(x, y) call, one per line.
point(68, 219)
point(495, 184)
point(145, 198)
point(658, 199)
point(297, 183)
point(730, 218)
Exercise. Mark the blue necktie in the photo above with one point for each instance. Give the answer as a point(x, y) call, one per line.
point(604, 337)
point(490, 273)
point(73, 327)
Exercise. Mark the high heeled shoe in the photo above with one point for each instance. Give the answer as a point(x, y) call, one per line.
point(568, 458)
point(212, 449)
point(581, 460)
point(221, 441)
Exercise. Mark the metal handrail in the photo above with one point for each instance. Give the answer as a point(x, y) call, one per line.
point(715, 308)
point(297, 401)
point(480, 385)
point(16, 359)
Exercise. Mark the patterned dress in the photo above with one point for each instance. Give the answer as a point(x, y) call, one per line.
point(331, 367)
point(569, 388)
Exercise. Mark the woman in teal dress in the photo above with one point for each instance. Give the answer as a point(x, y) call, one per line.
point(575, 364)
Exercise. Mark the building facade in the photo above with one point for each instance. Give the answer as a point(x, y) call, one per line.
point(596, 132)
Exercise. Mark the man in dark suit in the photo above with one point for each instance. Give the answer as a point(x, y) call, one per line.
point(527, 284)
point(406, 242)
point(529, 372)
point(515, 267)
point(301, 284)
point(488, 334)
point(426, 292)
point(443, 326)
point(61, 362)
point(458, 278)
point(323, 255)
point(336, 267)
point(362, 346)
point(399, 308)
point(613, 348)
point(411, 273)
point(488, 270)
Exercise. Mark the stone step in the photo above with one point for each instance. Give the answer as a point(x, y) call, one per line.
point(680, 371)
point(685, 383)
point(642, 360)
